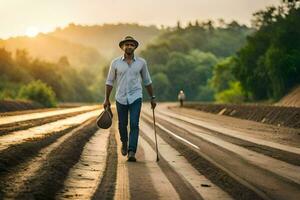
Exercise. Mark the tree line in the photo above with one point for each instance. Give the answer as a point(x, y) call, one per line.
point(23, 77)
point(230, 63)
point(186, 58)
point(268, 66)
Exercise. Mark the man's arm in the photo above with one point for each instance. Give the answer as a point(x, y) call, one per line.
point(150, 92)
point(108, 89)
point(148, 83)
point(109, 84)
point(149, 89)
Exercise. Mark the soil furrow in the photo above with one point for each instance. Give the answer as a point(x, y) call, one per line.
point(212, 172)
point(52, 174)
point(16, 154)
point(7, 128)
point(107, 186)
point(279, 154)
point(182, 187)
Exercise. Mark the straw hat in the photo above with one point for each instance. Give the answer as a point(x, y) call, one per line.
point(104, 120)
point(128, 38)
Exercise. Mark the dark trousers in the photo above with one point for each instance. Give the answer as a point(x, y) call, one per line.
point(181, 102)
point(134, 110)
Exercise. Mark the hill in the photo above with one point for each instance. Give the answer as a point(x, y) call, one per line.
point(105, 38)
point(72, 55)
point(85, 46)
point(52, 48)
point(292, 99)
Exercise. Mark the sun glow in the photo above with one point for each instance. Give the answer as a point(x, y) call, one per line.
point(32, 31)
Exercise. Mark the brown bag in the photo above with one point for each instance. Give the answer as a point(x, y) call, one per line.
point(104, 120)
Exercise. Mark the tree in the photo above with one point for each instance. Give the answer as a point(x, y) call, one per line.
point(156, 53)
point(178, 25)
point(39, 92)
point(161, 85)
point(222, 74)
point(67, 83)
point(234, 94)
point(269, 65)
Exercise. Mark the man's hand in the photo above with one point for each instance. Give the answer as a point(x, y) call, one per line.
point(106, 103)
point(108, 89)
point(153, 104)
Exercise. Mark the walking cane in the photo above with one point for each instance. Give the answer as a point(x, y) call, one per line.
point(154, 127)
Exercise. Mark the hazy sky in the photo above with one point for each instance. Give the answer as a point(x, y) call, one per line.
point(20, 17)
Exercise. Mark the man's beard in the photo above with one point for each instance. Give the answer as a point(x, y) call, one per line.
point(129, 52)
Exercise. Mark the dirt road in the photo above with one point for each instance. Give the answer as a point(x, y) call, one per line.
point(63, 155)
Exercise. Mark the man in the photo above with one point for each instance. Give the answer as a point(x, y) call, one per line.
point(128, 70)
point(181, 97)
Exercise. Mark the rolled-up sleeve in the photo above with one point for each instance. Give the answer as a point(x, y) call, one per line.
point(111, 75)
point(145, 74)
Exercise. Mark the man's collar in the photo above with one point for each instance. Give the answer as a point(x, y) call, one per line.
point(123, 57)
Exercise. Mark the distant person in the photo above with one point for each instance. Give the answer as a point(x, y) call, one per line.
point(181, 97)
point(128, 70)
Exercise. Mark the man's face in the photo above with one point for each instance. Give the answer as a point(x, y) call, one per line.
point(129, 47)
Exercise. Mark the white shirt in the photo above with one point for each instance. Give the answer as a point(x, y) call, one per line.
point(129, 78)
point(181, 96)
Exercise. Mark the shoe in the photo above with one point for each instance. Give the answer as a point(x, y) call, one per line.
point(124, 148)
point(131, 156)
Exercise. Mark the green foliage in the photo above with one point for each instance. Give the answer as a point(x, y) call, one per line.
point(161, 84)
point(220, 41)
point(184, 58)
point(222, 74)
point(156, 54)
point(187, 71)
point(8, 89)
point(205, 93)
point(266, 65)
point(68, 84)
point(39, 92)
point(234, 94)
point(269, 64)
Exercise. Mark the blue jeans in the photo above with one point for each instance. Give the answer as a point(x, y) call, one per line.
point(134, 112)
